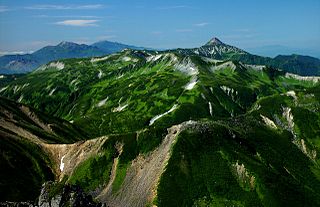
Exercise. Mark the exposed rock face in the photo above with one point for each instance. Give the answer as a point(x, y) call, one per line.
point(140, 185)
point(17, 204)
point(71, 195)
point(68, 156)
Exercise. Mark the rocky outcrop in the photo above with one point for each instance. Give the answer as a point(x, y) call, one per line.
point(70, 196)
point(16, 204)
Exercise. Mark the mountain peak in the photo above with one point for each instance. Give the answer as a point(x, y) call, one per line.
point(214, 41)
point(66, 44)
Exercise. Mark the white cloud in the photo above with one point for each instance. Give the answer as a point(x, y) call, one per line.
point(67, 16)
point(78, 22)
point(202, 24)
point(4, 8)
point(64, 7)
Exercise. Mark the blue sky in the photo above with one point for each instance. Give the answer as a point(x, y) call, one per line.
point(30, 25)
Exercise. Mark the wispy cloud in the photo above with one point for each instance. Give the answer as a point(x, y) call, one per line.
point(184, 30)
point(78, 22)
point(172, 7)
point(4, 8)
point(202, 24)
point(67, 16)
point(14, 52)
point(64, 7)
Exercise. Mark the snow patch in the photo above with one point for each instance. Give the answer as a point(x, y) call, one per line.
point(62, 163)
point(119, 108)
point(120, 76)
point(153, 58)
point(103, 102)
point(126, 58)
point(255, 67)
point(173, 59)
point(58, 65)
point(20, 99)
point(268, 122)
point(191, 84)
point(16, 89)
point(73, 81)
point(100, 74)
point(292, 94)
point(174, 107)
point(210, 60)
point(94, 60)
point(3, 89)
point(210, 108)
point(228, 64)
point(25, 85)
point(228, 91)
point(52, 91)
point(187, 66)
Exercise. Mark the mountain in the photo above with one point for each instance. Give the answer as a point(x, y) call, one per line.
point(274, 50)
point(28, 62)
point(298, 64)
point(17, 63)
point(214, 49)
point(113, 47)
point(302, 65)
point(25, 135)
point(25, 63)
point(173, 128)
point(66, 50)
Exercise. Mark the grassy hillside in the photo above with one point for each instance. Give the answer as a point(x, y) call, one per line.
point(253, 139)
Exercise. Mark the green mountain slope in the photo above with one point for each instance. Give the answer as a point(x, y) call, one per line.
point(174, 129)
point(25, 165)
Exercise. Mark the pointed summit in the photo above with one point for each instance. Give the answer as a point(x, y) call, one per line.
point(214, 41)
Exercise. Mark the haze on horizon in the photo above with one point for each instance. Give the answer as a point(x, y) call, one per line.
point(279, 26)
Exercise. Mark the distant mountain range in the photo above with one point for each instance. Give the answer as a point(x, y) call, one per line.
point(298, 64)
point(274, 50)
point(28, 62)
point(216, 49)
